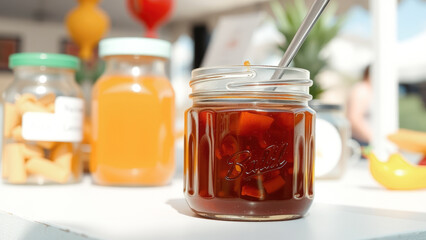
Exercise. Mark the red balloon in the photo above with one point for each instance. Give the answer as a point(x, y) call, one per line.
point(150, 12)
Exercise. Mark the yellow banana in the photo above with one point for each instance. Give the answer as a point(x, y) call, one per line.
point(397, 173)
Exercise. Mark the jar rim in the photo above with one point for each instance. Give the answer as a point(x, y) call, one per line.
point(251, 81)
point(196, 72)
point(254, 66)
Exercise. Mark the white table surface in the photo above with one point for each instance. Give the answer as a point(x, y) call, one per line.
point(354, 207)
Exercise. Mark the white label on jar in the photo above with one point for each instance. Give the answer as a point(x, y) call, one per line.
point(68, 105)
point(328, 147)
point(65, 125)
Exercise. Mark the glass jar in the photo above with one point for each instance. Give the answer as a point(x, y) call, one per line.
point(43, 116)
point(249, 143)
point(333, 133)
point(133, 114)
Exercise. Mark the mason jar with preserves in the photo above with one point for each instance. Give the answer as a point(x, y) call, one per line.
point(249, 143)
point(43, 117)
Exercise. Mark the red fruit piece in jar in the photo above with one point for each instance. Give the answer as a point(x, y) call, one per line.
point(263, 113)
point(273, 184)
point(229, 145)
point(285, 119)
point(217, 154)
point(251, 192)
point(262, 142)
point(271, 175)
point(251, 124)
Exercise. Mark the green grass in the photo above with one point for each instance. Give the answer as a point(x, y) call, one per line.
point(412, 113)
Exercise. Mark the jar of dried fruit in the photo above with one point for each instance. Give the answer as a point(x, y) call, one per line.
point(42, 120)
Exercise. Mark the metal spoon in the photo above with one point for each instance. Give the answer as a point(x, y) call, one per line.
point(301, 34)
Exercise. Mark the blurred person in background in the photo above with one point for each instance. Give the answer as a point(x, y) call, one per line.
point(359, 109)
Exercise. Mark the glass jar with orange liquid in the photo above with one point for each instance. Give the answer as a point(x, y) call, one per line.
point(133, 114)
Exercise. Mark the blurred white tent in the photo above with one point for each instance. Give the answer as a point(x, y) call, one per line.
point(412, 59)
point(351, 51)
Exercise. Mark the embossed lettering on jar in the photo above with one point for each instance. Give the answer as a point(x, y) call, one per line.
point(249, 143)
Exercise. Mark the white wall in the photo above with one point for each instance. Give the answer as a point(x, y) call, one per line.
point(42, 37)
point(46, 36)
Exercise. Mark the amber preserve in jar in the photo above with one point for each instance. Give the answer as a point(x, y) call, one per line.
point(249, 143)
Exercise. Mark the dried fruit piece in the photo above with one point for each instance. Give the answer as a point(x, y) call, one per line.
point(274, 184)
point(229, 145)
point(32, 107)
point(254, 125)
point(251, 192)
point(5, 161)
point(17, 133)
point(47, 99)
point(45, 144)
point(286, 120)
point(48, 169)
point(15, 163)
point(26, 97)
point(62, 155)
point(11, 118)
point(28, 103)
point(217, 153)
point(251, 124)
point(31, 151)
point(271, 174)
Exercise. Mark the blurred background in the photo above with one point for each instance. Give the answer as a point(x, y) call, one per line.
point(337, 53)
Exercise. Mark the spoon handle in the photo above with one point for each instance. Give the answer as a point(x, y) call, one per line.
point(314, 13)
